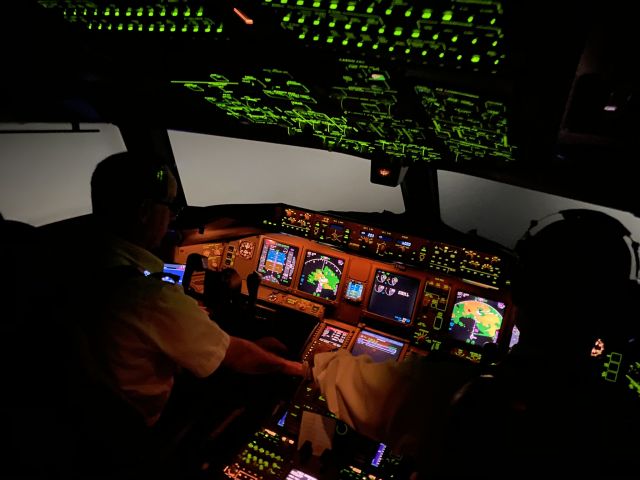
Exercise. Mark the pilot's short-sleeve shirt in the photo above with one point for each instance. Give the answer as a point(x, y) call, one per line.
point(151, 330)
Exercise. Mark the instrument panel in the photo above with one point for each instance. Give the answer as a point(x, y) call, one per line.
point(438, 257)
point(425, 310)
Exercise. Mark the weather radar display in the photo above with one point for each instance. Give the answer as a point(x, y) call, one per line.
point(476, 320)
point(321, 275)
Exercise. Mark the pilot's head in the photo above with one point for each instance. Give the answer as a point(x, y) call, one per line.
point(574, 278)
point(134, 196)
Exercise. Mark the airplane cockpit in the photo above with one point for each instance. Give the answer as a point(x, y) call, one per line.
point(412, 99)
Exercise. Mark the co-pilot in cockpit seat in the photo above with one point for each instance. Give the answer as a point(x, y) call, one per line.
point(562, 395)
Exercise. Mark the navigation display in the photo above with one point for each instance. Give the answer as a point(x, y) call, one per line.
point(321, 275)
point(476, 320)
point(378, 347)
point(393, 296)
point(277, 262)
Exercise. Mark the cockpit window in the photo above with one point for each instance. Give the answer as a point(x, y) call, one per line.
point(219, 170)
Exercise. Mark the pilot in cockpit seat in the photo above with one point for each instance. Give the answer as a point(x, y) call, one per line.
point(559, 401)
point(135, 337)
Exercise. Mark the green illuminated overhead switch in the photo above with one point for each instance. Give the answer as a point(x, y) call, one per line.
point(316, 4)
point(415, 34)
point(454, 39)
point(163, 12)
point(333, 6)
point(187, 12)
point(475, 58)
point(364, 28)
point(329, 39)
point(347, 26)
point(447, 16)
point(200, 12)
point(470, 19)
point(174, 12)
point(388, 11)
point(408, 13)
point(351, 7)
point(316, 22)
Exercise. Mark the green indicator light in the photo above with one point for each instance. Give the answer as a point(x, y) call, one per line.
point(187, 12)
point(398, 31)
point(316, 4)
point(161, 27)
point(388, 11)
point(120, 27)
point(359, 44)
point(140, 28)
point(426, 14)
point(333, 6)
point(173, 28)
point(128, 14)
point(302, 35)
point(84, 12)
point(207, 28)
point(163, 12)
point(219, 29)
point(494, 44)
point(184, 29)
point(408, 13)
point(301, 20)
point(459, 57)
point(130, 27)
point(375, 46)
point(415, 34)
point(151, 28)
point(447, 16)
point(407, 51)
point(150, 12)
point(441, 55)
point(435, 36)
point(300, 2)
point(316, 38)
point(470, 19)
point(174, 12)
point(90, 26)
point(107, 12)
point(332, 24)
point(454, 39)
point(139, 12)
point(474, 41)
point(316, 21)
point(286, 18)
point(345, 41)
point(391, 48)
point(116, 12)
point(475, 58)
point(369, 9)
point(496, 62)
point(329, 39)
point(381, 30)
point(283, 2)
point(351, 8)
point(196, 28)
point(492, 22)
point(99, 26)
point(365, 28)
point(200, 12)
point(347, 26)
point(424, 53)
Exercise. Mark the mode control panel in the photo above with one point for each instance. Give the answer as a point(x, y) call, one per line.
point(293, 302)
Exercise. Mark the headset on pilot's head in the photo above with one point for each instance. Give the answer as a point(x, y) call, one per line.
point(584, 217)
